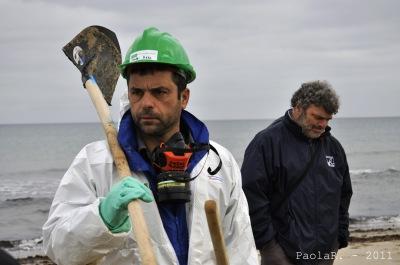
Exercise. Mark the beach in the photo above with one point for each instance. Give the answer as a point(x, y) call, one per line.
point(380, 246)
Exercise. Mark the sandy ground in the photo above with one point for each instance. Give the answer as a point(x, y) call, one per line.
point(366, 247)
point(386, 252)
point(371, 247)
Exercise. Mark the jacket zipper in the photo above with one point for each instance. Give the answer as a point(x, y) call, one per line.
point(313, 148)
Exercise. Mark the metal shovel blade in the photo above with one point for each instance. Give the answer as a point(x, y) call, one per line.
point(96, 53)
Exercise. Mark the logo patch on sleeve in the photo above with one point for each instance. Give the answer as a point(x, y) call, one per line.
point(330, 161)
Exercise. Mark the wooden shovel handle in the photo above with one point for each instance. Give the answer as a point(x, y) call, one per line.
point(217, 238)
point(135, 210)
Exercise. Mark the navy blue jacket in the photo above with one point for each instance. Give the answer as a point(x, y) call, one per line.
point(315, 216)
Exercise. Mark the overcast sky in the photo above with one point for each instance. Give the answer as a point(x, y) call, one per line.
point(250, 56)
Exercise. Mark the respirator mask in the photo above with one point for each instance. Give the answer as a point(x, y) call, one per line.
point(171, 159)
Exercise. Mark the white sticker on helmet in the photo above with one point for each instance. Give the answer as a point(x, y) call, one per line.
point(144, 55)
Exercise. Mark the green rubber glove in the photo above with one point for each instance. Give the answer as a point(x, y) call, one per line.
point(114, 207)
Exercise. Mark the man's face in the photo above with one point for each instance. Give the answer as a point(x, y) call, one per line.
point(155, 106)
point(312, 120)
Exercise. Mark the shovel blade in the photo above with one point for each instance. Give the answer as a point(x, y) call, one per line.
point(96, 53)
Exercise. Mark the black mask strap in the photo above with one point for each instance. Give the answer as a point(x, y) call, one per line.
point(218, 168)
point(199, 147)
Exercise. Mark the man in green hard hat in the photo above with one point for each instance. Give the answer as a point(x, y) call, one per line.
point(175, 169)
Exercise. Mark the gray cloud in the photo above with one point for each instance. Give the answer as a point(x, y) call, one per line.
point(250, 56)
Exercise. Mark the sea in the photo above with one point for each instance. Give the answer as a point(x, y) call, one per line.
point(34, 157)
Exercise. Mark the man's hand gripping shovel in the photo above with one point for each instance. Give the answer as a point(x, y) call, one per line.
point(96, 53)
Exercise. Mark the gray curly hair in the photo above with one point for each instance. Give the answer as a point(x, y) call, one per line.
point(319, 93)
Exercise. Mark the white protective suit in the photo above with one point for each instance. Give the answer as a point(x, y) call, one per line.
point(75, 233)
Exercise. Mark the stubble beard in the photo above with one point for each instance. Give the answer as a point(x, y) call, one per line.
point(155, 130)
point(307, 128)
point(158, 128)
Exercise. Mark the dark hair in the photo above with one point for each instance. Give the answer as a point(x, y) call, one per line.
point(149, 68)
point(319, 93)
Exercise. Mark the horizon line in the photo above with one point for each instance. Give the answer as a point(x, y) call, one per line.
point(204, 120)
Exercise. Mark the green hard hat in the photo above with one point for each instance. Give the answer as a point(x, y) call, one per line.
point(154, 46)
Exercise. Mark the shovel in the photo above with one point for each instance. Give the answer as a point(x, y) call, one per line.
point(217, 238)
point(95, 52)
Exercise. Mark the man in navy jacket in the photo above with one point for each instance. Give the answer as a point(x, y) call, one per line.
point(297, 182)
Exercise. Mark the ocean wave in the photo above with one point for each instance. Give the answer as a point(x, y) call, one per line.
point(383, 152)
point(362, 171)
point(14, 202)
point(375, 222)
point(20, 199)
point(35, 186)
point(23, 248)
point(372, 171)
point(23, 243)
point(33, 172)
